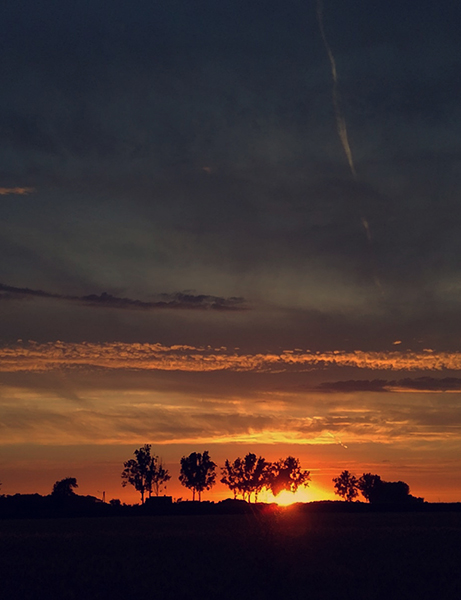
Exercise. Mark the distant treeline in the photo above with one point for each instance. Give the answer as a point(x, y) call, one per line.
point(37, 506)
point(374, 489)
point(245, 477)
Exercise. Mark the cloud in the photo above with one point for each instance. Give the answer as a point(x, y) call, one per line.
point(354, 385)
point(178, 300)
point(421, 384)
point(133, 417)
point(19, 191)
point(33, 356)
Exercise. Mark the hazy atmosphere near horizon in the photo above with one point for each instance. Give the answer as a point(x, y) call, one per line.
point(230, 226)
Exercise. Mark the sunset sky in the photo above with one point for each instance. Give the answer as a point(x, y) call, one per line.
point(231, 226)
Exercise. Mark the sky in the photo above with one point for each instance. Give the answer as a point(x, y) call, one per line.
point(230, 226)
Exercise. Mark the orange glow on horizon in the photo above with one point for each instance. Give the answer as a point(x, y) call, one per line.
point(302, 494)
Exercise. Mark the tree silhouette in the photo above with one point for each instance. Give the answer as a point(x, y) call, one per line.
point(377, 491)
point(64, 488)
point(144, 472)
point(157, 476)
point(393, 492)
point(369, 485)
point(246, 476)
point(346, 486)
point(286, 474)
point(230, 476)
point(197, 473)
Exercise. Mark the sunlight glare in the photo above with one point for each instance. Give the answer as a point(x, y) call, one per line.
point(286, 498)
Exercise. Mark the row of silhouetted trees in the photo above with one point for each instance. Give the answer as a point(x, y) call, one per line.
point(248, 476)
point(245, 477)
point(374, 489)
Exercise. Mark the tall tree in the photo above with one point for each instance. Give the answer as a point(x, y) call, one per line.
point(136, 471)
point(230, 476)
point(157, 476)
point(369, 485)
point(287, 474)
point(197, 473)
point(246, 476)
point(346, 486)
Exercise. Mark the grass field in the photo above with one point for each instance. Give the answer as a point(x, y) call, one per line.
point(286, 554)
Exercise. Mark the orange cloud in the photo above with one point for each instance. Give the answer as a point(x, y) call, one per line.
point(117, 355)
point(19, 191)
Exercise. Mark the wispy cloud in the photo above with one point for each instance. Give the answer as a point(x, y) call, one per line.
point(33, 356)
point(18, 191)
point(178, 300)
point(407, 384)
point(134, 417)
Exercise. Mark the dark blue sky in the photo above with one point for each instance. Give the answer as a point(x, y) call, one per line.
point(193, 147)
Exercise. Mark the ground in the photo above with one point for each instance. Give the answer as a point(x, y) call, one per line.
point(281, 554)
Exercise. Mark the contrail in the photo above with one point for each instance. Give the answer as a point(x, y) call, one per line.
point(342, 132)
point(340, 120)
point(337, 440)
point(366, 226)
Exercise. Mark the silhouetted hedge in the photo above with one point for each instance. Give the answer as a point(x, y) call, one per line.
point(36, 506)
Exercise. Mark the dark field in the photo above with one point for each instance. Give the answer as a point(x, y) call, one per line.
point(276, 555)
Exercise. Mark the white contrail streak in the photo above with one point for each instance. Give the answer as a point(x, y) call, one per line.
point(337, 440)
point(342, 129)
point(340, 120)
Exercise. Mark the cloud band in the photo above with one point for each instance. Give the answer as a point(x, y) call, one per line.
point(32, 356)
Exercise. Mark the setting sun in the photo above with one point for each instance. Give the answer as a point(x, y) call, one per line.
point(285, 497)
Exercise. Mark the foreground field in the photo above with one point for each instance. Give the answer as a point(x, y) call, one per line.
point(284, 554)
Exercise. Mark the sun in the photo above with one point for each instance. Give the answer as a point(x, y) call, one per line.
point(303, 494)
point(285, 498)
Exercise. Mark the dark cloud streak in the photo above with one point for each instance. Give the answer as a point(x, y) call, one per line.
point(178, 300)
point(422, 384)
